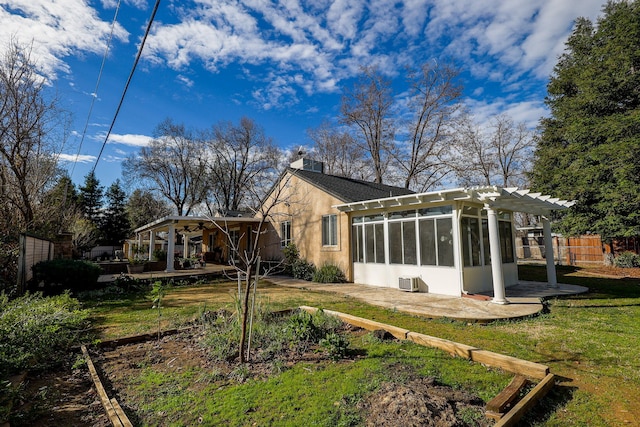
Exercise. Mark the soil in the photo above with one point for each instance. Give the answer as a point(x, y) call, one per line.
point(63, 397)
point(417, 402)
point(611, 272)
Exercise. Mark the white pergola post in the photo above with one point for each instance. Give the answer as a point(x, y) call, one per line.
point(139, 248)
point(496, 259)
point(548, 251)
point(185, 246)
point(152, 243)
point(171, 247)
point(130, 249)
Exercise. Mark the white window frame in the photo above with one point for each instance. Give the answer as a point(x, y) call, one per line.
point(285, 233)
point(332, 233)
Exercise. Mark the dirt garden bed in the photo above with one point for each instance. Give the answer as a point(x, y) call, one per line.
point(406, 399)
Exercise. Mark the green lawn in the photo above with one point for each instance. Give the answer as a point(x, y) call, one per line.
point(590, 341)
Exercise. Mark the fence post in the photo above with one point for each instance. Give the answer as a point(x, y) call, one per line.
point(22, 264)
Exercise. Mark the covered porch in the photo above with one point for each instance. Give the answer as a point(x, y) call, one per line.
point(205, 240)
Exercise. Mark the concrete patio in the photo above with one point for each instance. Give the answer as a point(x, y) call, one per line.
point(525, 299)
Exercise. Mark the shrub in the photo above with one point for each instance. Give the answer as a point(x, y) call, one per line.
point(627, 260)
point(37, 332)
point(53, 277)
point(329, 273)
point(291, 256)
point(303, 269)
point(336, 345)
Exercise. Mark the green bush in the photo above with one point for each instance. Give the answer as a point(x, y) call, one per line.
point(291, 256)
point(329, 273)
point(37, 332)
point(303, 269)
point(336, 345)
point(56, 276)
point(627, 260)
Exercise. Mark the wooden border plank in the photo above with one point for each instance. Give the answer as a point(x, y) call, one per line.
point(506, 396)
point(450, 347)
point(512, 417)
point(111, 412)
point(370, 325)
point(131, 339)
point(123, 417)
point(511, 364)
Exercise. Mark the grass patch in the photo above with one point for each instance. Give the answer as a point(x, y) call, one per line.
point(590, 341)
point(307, 393)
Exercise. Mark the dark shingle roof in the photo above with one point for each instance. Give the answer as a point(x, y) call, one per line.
point(349, 190)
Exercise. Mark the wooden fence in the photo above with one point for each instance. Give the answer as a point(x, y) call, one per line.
point(588, 249)
point(32, 251)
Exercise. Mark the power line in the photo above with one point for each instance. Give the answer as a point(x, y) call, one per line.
point(135, 63)
point(95, 92)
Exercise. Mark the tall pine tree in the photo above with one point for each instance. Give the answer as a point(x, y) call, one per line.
point(589, 150)
point(90, 198)
point(115, 226)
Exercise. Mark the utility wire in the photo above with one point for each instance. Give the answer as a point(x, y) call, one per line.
point(95, 92)
point(135, 63)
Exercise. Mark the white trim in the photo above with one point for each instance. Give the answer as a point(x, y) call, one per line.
point(511, 199)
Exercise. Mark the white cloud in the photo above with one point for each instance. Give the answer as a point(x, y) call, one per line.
point(185, 80)
point(526, 35)
point(528, 112)
point(81, 158)
point(128, 139)
point(55, 30)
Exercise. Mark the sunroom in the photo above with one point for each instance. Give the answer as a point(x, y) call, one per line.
point(450, 242)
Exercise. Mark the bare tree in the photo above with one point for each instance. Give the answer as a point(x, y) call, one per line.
point(367, 108)
point(514, 145)
point(339, 151)
point(241, 158)
point(499, 155)
point(431, 104)
point(29, 125)
point(174, 164)
point(247, 262)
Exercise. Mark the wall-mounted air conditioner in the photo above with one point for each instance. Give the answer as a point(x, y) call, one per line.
point(409, 284)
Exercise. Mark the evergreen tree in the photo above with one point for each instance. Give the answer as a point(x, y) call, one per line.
point(589, 150)
point(143, 207)
point(90, 198)
point(61, 203)
point(115, 226)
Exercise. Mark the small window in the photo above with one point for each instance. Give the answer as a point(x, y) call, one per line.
point(330, 230)
point(285, 233)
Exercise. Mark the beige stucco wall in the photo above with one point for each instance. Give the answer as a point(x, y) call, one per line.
point(304, 205)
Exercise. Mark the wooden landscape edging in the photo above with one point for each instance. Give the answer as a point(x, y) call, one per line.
point(497, 405)
point(512, 417)
point(370, 325)
point(115, 413)
point(520, 367)
point(131, 339)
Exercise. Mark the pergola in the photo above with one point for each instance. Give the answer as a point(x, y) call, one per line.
point(188, 226)
point(492, 199)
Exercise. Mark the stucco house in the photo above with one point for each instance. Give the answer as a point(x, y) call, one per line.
point(451, 242)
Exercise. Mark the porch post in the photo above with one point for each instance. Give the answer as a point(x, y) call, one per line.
point(139, 248)
point(185, 246)
point(171, 237)
point(130, 248)
point(152, 243)
point(496, 259)
point(548, 251)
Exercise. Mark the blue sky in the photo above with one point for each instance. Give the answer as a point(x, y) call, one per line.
point(283, 64)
